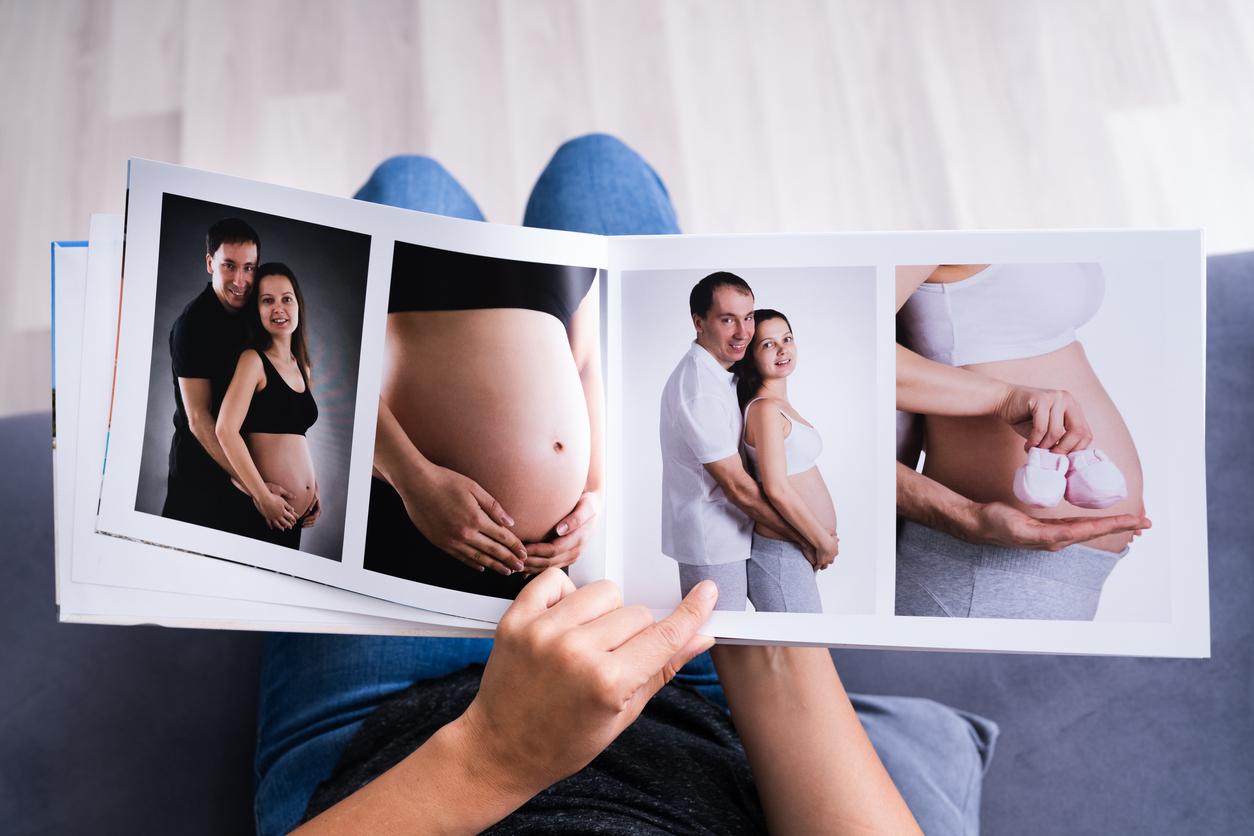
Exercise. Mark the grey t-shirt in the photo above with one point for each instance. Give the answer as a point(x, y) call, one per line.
point(679, 769)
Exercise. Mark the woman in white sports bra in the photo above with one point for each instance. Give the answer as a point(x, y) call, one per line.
point(781, 449)
point(1014, 327)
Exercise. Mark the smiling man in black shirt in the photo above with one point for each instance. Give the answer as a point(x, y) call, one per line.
point(205, 344)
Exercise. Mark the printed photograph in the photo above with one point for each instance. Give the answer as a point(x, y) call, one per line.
point(489, 454)
point(252, 387)
point(748, 436)
point(1021, 388)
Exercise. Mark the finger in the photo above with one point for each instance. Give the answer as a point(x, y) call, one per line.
point(576, 518)
point(498, 553)
point(533, 565)
point(467, 560)
point(490, 506)
point(650, 649)
point(1072, 439)
point(1040, 426)
point(1057, 426)
point(567, 548)
point(505, 537)
point(1060, 533)
point(541, 594)
point(615, 628)
point(483, 559)
point(589, 603)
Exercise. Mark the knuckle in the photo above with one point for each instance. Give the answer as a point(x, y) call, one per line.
point(642, 612)
point(608, 695)
point(669, 633)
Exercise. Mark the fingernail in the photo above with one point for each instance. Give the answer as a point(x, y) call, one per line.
point(506, 519)
point(562, 528)
point(508, 571)
point(706, 590)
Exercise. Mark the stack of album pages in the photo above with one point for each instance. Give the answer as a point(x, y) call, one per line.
point(278, 410)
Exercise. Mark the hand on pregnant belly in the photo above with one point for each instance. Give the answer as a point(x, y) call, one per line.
point(574, 532)
point(275, 509)
point(462, 519)
point(315, 511)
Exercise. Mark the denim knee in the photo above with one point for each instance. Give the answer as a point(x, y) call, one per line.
point(936, 755)
point(420, 183)
point(597, 184)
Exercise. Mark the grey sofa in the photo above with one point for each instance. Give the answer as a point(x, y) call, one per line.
point(135, 730)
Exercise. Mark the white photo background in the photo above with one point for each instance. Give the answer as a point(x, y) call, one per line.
point(832, 313)
point(1129, 344)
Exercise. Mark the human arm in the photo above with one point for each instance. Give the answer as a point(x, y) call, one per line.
point(576, 528)
point(766, 425)
point(1049, 418)
point(249, 374)
point(451, 510)
point(197, 394)
point(564, 659)
point(814, 767)
point(995, 523)
point(747, 495)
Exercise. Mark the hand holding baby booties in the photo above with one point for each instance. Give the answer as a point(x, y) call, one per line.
point(1088, 479)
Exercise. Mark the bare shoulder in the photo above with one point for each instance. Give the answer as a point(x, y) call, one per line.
point(250, 369)
point(766, 412)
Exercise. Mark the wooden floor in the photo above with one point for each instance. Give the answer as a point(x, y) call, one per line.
point(787, 115)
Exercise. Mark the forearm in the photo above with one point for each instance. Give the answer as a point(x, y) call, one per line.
point(751, 499)
point(204, 428)
point(930, 503)
point(396, 459)
point(796, 511)
point(932, 388)
point(815, 769)
point(446, 786)
point(242, 467)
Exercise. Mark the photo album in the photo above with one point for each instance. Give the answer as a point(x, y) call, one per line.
point(280, 410)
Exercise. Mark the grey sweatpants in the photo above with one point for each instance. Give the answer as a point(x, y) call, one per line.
point(776, 578)
point(940, 575)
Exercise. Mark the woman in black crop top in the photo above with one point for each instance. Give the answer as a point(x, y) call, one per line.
point(488, 448)
point(267, 410)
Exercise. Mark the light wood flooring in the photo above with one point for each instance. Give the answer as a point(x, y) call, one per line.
point(792, 115)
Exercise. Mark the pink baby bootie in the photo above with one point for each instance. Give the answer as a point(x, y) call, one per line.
point(1043, 480)
point(1093, 480)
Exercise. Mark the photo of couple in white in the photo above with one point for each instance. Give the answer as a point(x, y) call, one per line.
point(776, 388)
point(743, 502)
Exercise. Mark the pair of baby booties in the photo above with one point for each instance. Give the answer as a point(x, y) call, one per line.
point(1088, 479)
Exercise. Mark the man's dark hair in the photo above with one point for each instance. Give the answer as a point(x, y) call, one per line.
point(231, 231)
point(702, 297)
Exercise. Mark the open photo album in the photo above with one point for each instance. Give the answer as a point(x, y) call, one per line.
point(286, 410)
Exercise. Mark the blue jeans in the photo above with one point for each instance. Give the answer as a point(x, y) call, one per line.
point(317, 689)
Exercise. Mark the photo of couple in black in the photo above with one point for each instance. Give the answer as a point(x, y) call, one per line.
point(262, 364)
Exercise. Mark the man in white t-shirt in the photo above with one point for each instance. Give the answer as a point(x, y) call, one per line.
point(709, 502)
